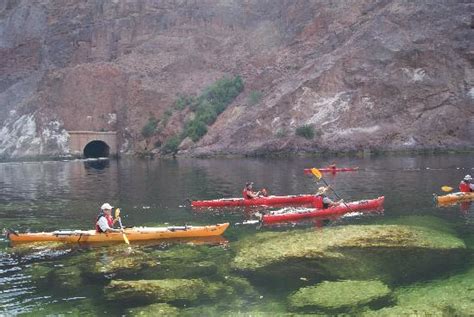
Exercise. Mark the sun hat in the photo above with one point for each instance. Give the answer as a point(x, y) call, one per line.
point(467, 177)
point(321, 190)
point(248, 183)
point(106, 206)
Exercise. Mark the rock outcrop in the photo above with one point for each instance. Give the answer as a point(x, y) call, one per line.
point(361, 74)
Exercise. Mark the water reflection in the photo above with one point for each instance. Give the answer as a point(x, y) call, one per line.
point(96, 164)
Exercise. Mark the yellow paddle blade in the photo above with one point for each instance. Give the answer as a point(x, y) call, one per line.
point(117, 212)
point(125, 238)
point(316, 173)
point(446, 189)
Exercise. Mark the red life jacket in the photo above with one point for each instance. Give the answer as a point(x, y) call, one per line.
point(244, 193)
point(318, 202)
point(464, 187)
point(109, 219)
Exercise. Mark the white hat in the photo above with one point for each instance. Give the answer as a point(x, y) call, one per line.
point(321, 190)
point(467, 177)
point(106, 206)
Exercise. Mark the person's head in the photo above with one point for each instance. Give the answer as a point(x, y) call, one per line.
point(467, 178)
point(107, 208)
point(249, 185)
point(321, 190)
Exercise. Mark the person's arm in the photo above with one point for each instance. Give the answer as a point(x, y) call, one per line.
point(252, 194)
point(330, 202)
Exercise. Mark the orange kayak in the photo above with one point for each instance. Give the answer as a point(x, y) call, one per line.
point(454, 197)
point(133, 234)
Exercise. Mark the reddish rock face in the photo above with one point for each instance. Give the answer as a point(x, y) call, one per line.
point(362, 74)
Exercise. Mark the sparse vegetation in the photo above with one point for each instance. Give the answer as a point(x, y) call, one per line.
point(171, 145)
point(150, 127)
point(206, 107)
point(281, 133)
point(306, 131)
point(254, 97)
point(210, 104)
point(184, 101)
point(166, 116)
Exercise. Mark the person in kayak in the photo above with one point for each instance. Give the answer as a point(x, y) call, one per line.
point(465, 185)
point(105, 222)
point(248, 192)
point(322, 201)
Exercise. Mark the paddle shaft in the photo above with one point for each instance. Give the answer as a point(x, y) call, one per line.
point(123, 233)
point(337, 195)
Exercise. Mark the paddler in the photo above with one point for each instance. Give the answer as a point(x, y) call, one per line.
point(465, 185)
point(248, 192)
point(105, 222)
point(322, 201)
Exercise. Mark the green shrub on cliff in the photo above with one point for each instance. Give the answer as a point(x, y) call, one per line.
point(184, 101)
point(150, 127)
point(254, 97)
point(171, 145)
point(195, 129)
point(212, 102)
point(306, 131)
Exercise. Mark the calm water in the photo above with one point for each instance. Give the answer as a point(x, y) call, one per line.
point(42, 196)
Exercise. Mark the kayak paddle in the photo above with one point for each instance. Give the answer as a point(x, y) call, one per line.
point(319, 176)
point(446, 189)
point(117, 216)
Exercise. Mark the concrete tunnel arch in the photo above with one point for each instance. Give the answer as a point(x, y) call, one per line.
point(96, 148)
point(91, 144)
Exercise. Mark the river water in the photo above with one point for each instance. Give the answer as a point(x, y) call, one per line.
point(46, 196)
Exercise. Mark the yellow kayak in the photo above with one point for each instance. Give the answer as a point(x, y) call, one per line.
point(454, 197)
point(133, 234)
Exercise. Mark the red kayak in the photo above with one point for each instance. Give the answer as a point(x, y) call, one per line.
point(333, 170)
point(361, 205)
point(261, 201)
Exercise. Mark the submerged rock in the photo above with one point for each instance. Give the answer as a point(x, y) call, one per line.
point(188, 261)
point(167, 290)
point(154, 310)
point(386, 252)
point(454, 295)
point(337, 296)
point(421, 310)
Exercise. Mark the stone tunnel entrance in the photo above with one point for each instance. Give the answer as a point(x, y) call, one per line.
point(93, 143)
point(96, 149)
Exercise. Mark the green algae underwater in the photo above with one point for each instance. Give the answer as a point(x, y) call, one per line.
point(412, 259)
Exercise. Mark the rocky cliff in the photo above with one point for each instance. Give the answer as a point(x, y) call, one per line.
point(359, 74)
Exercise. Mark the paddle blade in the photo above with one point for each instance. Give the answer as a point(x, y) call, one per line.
point(117, 212)
point(125, 238)
point(316, 173)
point(446, 189)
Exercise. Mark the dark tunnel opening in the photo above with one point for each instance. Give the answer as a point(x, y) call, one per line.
point(96, 149)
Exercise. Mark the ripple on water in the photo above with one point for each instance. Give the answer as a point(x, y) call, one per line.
point(17, 288)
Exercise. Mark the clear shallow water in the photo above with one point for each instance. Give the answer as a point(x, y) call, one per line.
point(44, 196)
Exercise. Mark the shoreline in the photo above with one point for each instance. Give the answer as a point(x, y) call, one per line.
point(283, 154)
